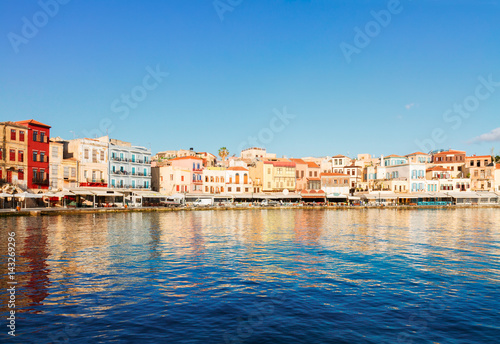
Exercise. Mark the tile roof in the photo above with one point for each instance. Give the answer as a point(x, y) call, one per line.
point(312, 164)
point(185, 158)
point(281, 163)
point(237, 168)
point(438, 168)
point(395, 156)
point(330, 174)
point(299, 161)
point(33, 122)
point(417, 153)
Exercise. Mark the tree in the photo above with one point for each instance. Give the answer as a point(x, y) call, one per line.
point(223, 153)
point(497, 159)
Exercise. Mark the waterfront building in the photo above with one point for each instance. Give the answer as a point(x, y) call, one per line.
point(238, 180)
point(438, 172)
point(70, 173)
point(497, 177)
point(56, 148)
point(355, 174)
point(129, 166)
point(339, 162)
point(37, 155)
point(481, 171)
point(335, 183)
point(454, 184)
point(256, 152)
point(419, 157)
point(278, 175)
point(209, 160)
point(452, 159)
point(170, 180)
point(13, 154)
point(178, 175)
point(313, 176)
point(92, 161)
point(214, 180)
point(394, 160)
point(365, 160)
point(300, 174)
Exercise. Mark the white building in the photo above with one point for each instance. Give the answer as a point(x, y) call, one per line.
point(129, 166)
point(92, 161)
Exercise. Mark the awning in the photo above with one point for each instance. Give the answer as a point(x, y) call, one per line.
point(5, 195)
point(110, 193)
point(82, 192)
point(336, 195)
point(148, 194)
point(464, 194)
point(354, 198)
point(28, 195)
point(377, 195)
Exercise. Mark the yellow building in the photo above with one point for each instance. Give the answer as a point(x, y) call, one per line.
point(278, 175)
point(13, 154)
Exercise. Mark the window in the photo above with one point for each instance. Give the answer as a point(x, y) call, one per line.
point(177, 188)
point(20, 156)
point(66, 172)
point(42, 136)
point(13, 134)
point(102, 155)
point(171, 177)
point(1, 155)
point(85, 173)
point(42, 156)
point(35, 135)
point(12, 155)
point(73, 172)
point(85, 153)
point(35, 172)
point(20, 175)
point(21, 135)
point(229, 189)
point(54, 152)
point(94, 155)
point(182, 178)
point(238, 189)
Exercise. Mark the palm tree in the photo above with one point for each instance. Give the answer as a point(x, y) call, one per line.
point(223, 153)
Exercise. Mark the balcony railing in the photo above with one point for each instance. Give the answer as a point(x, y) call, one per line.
point(126, 173)
point(134, 161)
point(40, 181)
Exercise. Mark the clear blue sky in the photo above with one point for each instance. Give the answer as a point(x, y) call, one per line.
point(227, 77)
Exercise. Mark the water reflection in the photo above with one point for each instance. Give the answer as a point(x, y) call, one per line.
point(210, 264)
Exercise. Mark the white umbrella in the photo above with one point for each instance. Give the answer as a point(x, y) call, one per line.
point(28, 195)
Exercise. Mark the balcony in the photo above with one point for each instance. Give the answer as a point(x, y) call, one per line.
point(197, 181)
point(40, 181)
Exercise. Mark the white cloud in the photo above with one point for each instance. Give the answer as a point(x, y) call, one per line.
point(492, 136)
point(409, 106)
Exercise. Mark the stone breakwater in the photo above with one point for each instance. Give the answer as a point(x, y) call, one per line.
point(54, 212)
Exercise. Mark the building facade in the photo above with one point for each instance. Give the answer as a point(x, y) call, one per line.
point(13, 154)
point(129, 166)
point(92, 161)
point(38, 154)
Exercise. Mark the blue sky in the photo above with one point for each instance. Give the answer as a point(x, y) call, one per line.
point(206, 74)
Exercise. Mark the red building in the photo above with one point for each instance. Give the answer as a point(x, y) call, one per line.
point(38, 154)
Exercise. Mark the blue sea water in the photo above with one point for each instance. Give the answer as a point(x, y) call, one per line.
point(256, 276)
